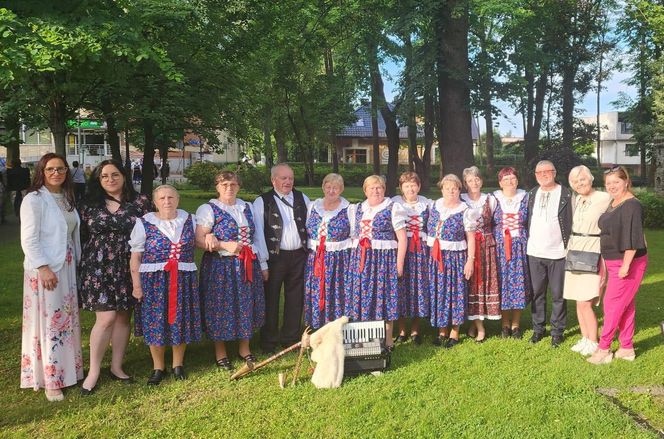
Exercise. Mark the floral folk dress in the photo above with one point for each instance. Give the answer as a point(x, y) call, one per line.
point(327, 263)
point(167, 316)
point(483, 288)
point(232, 292)
point(414, 293)
point(510, 226)
point(104, 278)
point(372, 283)
point(51, 355)
point(447, 238)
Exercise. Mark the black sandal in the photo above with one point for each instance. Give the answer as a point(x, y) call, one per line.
point(250, 359)
point(224, 363)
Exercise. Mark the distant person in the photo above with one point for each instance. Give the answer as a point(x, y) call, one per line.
point(138, 174)
point(3, 193)
point(165, 171)
point(78, 175)
point(18, 180)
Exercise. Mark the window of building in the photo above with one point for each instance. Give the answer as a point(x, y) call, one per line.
point(626, 128)
point(360, 122)
point(631, 150)
point(355, 156)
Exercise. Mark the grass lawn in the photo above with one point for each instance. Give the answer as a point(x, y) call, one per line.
point(502, 388)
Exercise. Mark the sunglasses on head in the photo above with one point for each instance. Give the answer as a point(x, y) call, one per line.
point(612, 169)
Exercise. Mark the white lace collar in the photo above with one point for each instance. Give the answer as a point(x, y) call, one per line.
point(418, 206)
point(236, 210)
point(318, 205)
point(474, 203)
point(172, 228)
point(369, 212)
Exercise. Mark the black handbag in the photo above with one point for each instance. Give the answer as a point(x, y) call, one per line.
point(579, 261)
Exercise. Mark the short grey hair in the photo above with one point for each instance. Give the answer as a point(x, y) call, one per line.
point(473, 171)
point(545, 162)
point(333, 178)
point(452, 178)
point(577, 170)
point(162, 187)
point(273, 170)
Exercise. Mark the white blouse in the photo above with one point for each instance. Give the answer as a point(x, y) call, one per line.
point(478, 206)
point(326, 216)
point(511, 206)
point(171, 228)
point(399, 217)
point(469, 224)
point(205, 218)
point(413, 213)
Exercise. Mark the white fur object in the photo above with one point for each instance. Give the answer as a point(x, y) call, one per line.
point(328, 353)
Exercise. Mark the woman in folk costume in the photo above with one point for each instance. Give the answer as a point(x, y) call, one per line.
point(232, 270)
point(414, 300)
point(164, 279)
point(51, 333)
point(511, 235)
point(328, 227)
point(377, 259)
point(451, 228)
point(483, 288)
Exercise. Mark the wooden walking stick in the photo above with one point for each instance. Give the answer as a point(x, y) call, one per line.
point(250, 367)
point(303, 347)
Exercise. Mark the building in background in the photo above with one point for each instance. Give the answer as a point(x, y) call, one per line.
point(617, 144)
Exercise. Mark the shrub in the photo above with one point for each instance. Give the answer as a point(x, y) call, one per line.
point(201, 175)
point(653, 209)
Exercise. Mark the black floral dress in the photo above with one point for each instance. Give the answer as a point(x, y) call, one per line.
point(104, 281)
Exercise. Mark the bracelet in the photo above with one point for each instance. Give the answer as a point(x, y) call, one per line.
point(471, 257)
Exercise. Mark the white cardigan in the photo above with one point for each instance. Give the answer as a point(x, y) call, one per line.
point(44, 232)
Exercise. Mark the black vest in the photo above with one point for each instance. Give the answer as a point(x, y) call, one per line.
point(565, 213)
point(273, 223)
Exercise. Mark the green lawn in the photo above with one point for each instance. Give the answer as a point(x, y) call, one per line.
point(502, 388)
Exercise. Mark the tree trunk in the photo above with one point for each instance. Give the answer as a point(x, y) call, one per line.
point(148, 158)
point(374, 132)
point(267, 138)
point(453, 78)
point(57, 123)
point(488, 120)
point(535, 114)
point(13, 135)
point(111, 128)
point(329, 71)
point(429, 121)
point(280, 140)
point(569, 73)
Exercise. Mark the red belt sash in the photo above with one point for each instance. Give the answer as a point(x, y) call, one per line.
point(437, 254)
point(247, 257)
point(319, 271)
point(365, 244)
point(172, 268)
point(510, 221)
point(479, 237)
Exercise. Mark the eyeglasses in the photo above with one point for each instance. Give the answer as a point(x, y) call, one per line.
point(612, 169)
point(113, 176)
point(59, 170)
point(545, 171)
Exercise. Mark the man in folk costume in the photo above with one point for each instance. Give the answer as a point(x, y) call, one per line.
point(284, 212)
point(550, 225)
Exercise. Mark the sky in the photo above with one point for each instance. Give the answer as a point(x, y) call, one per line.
point(511, 122)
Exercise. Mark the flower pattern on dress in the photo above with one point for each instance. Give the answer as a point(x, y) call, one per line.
point(232, 307)
point(336, 264)
point(104, 278)
point(152, 314)
point(448, 287)
point(514, 277)
point(373, 293)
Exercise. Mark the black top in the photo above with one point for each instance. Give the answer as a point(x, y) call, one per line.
point(622, 229)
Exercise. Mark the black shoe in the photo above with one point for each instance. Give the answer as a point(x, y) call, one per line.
point(157, 377)
point(439, 340)
point(114, 377)
point(401, 338)
point(88, 392)
point(250, 359)
point(537, 337)
point(557, 340)
point(417, 338)
point(178, 373)
point(451, 343)
point(517, 333)
point(506, 332)
point(224, 363)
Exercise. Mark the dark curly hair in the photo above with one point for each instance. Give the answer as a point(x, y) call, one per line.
point(38, 179)
point(96, 195)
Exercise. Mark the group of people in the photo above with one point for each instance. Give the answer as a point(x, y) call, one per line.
point(471, 256)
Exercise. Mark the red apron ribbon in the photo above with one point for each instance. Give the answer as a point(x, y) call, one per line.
point(319, 271)
point(437, 254)
point(479, 237)
point(172, 268)
point(247, 257)
point(508, 245)
point(365, 244)
point(414, 228)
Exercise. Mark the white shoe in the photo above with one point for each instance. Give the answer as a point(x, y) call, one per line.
point(580, 345)
point(589, 348)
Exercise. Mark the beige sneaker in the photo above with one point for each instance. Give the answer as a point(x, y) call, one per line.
point(601, 356)
point(625, 354)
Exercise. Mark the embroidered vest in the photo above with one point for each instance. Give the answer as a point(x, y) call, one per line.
point(273, 223)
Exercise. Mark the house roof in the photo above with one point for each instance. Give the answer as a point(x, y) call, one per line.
point(362, 127)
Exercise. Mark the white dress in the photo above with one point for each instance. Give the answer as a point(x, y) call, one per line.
point(51, 348)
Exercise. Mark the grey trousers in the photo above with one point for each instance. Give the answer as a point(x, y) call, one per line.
point(548, 273)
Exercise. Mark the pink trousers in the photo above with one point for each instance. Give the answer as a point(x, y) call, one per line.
point(619, 298)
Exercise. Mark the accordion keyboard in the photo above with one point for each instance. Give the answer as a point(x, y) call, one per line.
point(363, 339)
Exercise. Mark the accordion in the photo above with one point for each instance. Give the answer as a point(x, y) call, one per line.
point(364, 346)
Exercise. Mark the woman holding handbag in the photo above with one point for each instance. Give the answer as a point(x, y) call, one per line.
point(582, 283)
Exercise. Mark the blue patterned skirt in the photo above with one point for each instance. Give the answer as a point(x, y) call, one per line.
point(372, 294)
point(152, 313)
point(336, 265)
point(448, 289)
point(414, 293)
point(513, 276)
point(232, 308)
